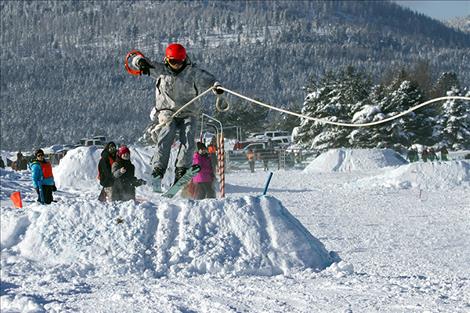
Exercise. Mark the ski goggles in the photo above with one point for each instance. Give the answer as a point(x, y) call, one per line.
point(175, 61)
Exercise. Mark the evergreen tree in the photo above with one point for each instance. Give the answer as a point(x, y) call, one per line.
point(404, 130)
point(336, 98)
point(455, 122)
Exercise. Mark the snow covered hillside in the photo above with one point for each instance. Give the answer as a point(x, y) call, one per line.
point(401, 231)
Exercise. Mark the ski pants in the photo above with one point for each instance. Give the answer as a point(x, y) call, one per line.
point(47, 193)
point(186, 127)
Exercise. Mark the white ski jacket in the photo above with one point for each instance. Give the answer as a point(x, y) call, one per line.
point(173, 90)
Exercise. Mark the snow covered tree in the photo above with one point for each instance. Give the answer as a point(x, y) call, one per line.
point(454, 123)
point(369, 137)
point(444, 83)
point(335, 98)
point(406, 129)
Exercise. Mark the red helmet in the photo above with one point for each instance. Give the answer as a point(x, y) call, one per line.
point(123, 150)
point(175, 51)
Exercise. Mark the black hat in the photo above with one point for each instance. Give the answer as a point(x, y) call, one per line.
point(200, 146)
point(39, 151)
point(110, 144)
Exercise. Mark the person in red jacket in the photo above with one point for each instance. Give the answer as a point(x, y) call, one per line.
point(43, 179)
point(203, 187)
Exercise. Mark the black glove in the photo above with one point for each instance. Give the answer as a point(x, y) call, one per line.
point(54, 188)
point(138, 182)
point(144, 66)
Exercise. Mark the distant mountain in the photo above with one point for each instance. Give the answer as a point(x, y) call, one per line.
point(460, 23)
point(62, 74)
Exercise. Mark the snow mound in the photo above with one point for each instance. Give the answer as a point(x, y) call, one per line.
point(424, 175)
point(243, 236)
point(79, 167)
point(348, 160)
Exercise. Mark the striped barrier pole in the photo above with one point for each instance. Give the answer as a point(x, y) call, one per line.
point(221, 165)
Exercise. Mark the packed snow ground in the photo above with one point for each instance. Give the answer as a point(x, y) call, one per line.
point(401, 231)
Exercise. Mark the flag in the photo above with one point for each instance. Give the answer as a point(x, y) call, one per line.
point(16, 199)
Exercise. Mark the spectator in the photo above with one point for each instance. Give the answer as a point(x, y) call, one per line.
point(108, 156)
point(43, 179)
point(212, 150)
point(444, 154)
point(413, 155)
point(124, 180)
point(21, 163)
point(424, 154)
point(432, 154)
point(250, 155)
point(203, 187)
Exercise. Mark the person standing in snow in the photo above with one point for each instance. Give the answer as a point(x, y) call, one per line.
point(432, 154)
point(108, 156)
point(43, 179)
point(178, 81)
point(203, 187)
point(21, 163)
point(444, 154)
point(212, 150)
point(250, 155)
point(124, 180)
point(424, 154)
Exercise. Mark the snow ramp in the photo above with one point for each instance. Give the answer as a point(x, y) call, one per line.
point(348, 160)
point(243, 236)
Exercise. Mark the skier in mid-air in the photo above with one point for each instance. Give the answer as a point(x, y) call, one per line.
point(178, 81)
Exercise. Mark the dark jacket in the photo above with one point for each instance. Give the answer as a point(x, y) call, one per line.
point(104, 169)
point(124, 183)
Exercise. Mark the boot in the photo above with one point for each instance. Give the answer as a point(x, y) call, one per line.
point(179, 172)
point(157, 176)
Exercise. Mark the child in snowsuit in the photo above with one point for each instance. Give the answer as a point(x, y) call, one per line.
point(124, 181)
point(203, 180)
point(177, 82)
point(43, 179)
point(108, 156)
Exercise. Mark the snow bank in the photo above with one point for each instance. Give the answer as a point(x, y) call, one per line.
point(246, 236)
point(79, 167)
point(348, 160)
point(424, 175)
point(19, 303)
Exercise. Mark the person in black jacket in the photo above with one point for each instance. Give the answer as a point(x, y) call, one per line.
point(124, 180)
point(108, 157)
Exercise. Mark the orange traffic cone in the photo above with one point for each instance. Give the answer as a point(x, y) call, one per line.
point(16, 198)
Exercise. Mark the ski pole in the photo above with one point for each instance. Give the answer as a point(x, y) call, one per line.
point(266, 186)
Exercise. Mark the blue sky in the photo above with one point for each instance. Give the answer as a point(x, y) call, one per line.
point(441, 10)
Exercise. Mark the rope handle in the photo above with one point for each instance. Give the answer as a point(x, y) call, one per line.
point(130, 55)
